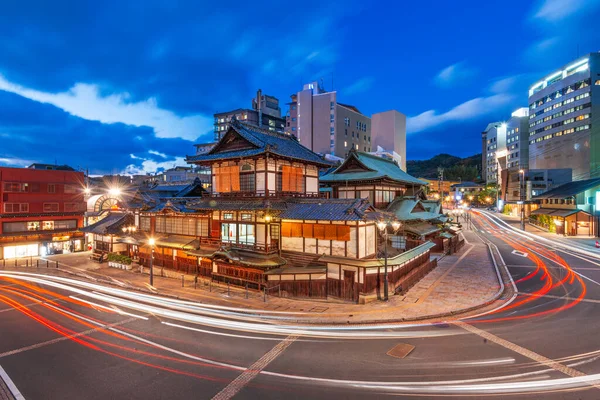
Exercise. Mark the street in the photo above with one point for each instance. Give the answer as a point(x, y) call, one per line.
point(69, 339)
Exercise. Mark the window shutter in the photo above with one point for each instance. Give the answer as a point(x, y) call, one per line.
point(319, 231)
point(297, 230)
point(235, 178)
point(286, 229)
point(343, 232)
point(330, 232)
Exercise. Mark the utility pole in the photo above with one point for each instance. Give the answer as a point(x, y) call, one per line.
point(522, 196)
point(441, 183)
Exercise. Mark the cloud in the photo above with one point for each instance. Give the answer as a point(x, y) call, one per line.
point(151, 166)
point(31, 132)
point(557, 10)
point(85, 101)
point(454, 74)
point(157, 153)
point(361, 85)
point(471, 109)
point(15, 162)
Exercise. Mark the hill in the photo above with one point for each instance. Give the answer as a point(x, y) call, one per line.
point(467, 169)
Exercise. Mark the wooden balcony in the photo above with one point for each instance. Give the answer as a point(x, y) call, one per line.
point(263, 194)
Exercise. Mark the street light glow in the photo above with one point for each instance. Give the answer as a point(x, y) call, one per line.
point(381, 225)
point(151, 241)
point(396, 225)
point(114, 191)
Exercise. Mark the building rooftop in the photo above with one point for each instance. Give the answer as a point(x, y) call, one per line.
point(466, 184)
point(258, 141)
point(361, 166)
point(51, 167)
point(569, 189)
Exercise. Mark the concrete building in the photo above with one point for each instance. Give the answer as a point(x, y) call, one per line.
point(494, 151)
point(562, 109)
point(265, 113)
point(41, 211)
point(533, 182)
point(388, 131)
point(517, 140)
point(326, 126)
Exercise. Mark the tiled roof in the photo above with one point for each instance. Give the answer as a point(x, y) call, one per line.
point(111, 224)
point(264, 141)
point(409, 209)
point(421, 229)
point(374, 168)
point(466, 184)
point(569, 189)
point(327, 209)
point(176, 204)
point(232, 204)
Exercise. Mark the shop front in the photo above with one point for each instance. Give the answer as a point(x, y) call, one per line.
point(21, 251)
point(62, 245)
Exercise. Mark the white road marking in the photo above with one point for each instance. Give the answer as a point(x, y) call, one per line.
point(520, 350)
point(520, 253)
point(238, 383)
point(11, 385)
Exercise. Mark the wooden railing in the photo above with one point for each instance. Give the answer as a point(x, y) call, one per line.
point(263, 193)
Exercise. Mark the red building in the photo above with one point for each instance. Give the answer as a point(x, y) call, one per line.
point(40, 211)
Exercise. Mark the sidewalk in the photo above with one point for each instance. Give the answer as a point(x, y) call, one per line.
point(585, 242)
point(461, 283)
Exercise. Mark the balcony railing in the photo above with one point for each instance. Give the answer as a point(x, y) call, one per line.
point(263, 194)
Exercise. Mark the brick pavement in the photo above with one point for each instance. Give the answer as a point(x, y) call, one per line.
point(461, 281)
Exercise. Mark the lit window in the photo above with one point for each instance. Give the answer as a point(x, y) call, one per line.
point(228, 216)
point(345, 144)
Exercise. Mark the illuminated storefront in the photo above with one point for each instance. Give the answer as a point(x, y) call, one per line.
point(24, 250)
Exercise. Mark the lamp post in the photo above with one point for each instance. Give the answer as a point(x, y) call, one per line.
point(151, 242)
point(383, 225)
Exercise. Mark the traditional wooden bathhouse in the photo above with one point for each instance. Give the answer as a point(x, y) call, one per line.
point(363, 175)
point(265, 225)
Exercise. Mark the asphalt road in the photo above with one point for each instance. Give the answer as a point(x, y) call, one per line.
point(66, 339)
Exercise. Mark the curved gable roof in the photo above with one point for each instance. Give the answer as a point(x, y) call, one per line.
point(260, 141)
point(364, 166)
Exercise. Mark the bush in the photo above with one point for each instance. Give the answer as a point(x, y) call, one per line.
point(119, 258)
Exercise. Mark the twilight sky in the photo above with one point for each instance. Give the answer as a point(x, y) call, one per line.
point(130, 86)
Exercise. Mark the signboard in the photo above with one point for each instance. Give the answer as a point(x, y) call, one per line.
point(60, 238)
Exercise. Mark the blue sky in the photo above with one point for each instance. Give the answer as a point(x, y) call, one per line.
point(131, 86)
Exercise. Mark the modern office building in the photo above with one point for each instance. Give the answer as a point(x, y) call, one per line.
point(564, 131)
point(388, 132)
point(517, 140)
point(494, 151)
point(41, 210)
point(265, 113)
point(326, 126)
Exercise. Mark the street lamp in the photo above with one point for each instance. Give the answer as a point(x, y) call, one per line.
point(383, 225)
point(151, 242)
point(522, 197)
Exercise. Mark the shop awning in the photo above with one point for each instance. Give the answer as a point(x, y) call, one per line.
point(203, 253)
point(178, 242)
point(421, 229)
point(446, 235)
point(248, 259)
point(557, 212)
point(566, 213)
point(128, 240)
